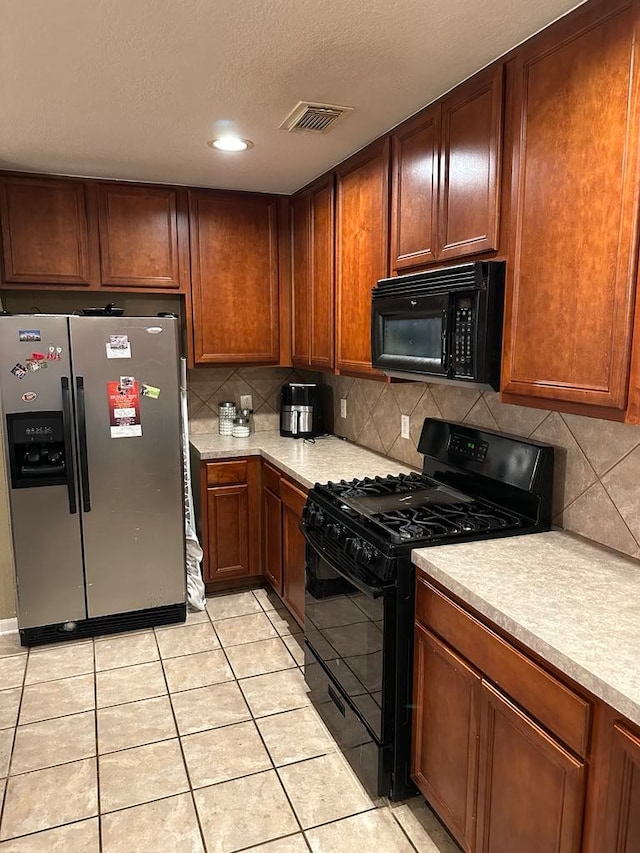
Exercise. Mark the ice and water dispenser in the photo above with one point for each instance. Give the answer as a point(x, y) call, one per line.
point(37, 454)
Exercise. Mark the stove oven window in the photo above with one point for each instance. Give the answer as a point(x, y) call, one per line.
point(344, 627)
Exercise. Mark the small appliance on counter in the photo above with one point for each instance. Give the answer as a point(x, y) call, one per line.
point(301, 410)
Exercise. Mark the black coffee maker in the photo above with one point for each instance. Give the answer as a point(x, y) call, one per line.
point(301, 410)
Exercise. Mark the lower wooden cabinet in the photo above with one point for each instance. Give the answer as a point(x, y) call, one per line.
point(445, 733)
point(231, 519)
point(293, 548)
point(283, 544)
point(621, 824)
point(530, 789)
point(498, 779)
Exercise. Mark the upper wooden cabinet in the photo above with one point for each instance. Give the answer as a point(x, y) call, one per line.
point(47, 236)
point(362, 252)
point(139, 236)
point(573, 246)
point(234, 273)
point(312, 249)
point(446, 176)
point(414, 190)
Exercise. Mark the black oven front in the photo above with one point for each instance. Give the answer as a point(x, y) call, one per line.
point(357, 657)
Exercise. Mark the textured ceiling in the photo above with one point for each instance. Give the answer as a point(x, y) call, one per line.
point(133, 89)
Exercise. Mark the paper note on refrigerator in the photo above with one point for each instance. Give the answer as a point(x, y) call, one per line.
point(124, 410)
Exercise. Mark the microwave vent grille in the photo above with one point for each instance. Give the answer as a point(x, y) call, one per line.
point(466, 276)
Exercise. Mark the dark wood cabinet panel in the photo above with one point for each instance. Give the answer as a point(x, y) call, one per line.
point(139, 236)
point(312, 251)
point(301, 279)
point(414, 190)
point(47, 233)
point(531, 790)
point(230, 518)
point(362, 227)
point(293, 548)
point(446, 694)
point(228, 532)
point(321, 197)
point(470, 162)
point(622, 817)
point(272, 547)
point(234, 270)
point(573, 244)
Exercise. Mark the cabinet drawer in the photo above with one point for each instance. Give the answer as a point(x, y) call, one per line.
point(555, 706)
point(271, 478)
point(226, 473)
point(293, 497)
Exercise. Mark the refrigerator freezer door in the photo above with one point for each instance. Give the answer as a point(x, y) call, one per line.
point(46, 535)
point(132, 495)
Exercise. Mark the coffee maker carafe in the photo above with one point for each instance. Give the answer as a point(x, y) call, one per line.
point(301, 410)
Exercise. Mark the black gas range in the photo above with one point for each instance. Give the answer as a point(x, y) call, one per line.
point(360, 582)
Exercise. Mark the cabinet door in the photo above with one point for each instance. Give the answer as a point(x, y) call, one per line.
point(138, 236)
point(47, 236)
point(227, 532)
point(531, 790)
point(470, 159)
point(301, 279)
point(293, 549)
point(272, 551)
point(622, 818)
point(414, 190)
point(572, 254)
point(445, 733)
point(322, 274)
point(234, 272)
point(361, 252)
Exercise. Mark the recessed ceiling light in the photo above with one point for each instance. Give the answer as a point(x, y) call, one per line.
point(230, 143)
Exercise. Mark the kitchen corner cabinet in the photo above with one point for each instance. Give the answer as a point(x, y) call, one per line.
point(143, 236)
point(362, 252)
point(499, 744)
point(230, 519)
point(622, 815)
point(283, 544)
point(48, 231)
point(573, 244)
point(446, 176)
point(312, 250)
point(235, 277)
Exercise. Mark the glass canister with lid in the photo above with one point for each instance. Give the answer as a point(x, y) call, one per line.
point(241, 428)
point(248, 414)
point(226, 415)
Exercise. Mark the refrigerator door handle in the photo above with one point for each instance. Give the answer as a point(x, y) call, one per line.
point(68, 443)
point(82, 439)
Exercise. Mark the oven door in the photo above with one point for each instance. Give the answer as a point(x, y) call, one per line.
point(411, 334)
point(350, 630)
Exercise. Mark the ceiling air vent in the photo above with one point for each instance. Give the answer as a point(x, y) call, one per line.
point(314, 118)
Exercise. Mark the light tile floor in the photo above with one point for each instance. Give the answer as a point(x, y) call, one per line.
point(185, 739)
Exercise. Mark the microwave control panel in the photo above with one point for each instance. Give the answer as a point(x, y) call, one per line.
point(463, 355)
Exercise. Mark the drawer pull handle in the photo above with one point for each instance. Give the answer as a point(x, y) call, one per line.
point(336, 701)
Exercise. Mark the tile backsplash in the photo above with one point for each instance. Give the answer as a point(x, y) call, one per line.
point(208, 386)
point(597, 469)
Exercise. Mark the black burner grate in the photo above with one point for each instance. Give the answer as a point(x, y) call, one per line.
point(369, 486)
point(444, 521)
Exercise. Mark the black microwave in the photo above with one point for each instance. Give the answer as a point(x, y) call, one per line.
point(443, 325)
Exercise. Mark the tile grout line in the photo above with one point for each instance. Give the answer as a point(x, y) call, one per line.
point(3, 803)
point(95, 712)
point(179, 738)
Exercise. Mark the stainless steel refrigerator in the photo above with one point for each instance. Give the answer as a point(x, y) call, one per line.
point(94, 464)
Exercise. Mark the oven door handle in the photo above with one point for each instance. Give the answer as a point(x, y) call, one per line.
point(368, 590)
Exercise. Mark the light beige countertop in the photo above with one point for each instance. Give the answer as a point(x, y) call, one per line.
point(330, 458)
point(573, 602)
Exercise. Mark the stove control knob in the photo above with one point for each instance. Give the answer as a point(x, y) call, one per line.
point(353, 547)
point(335, 531)
point(367, 555)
